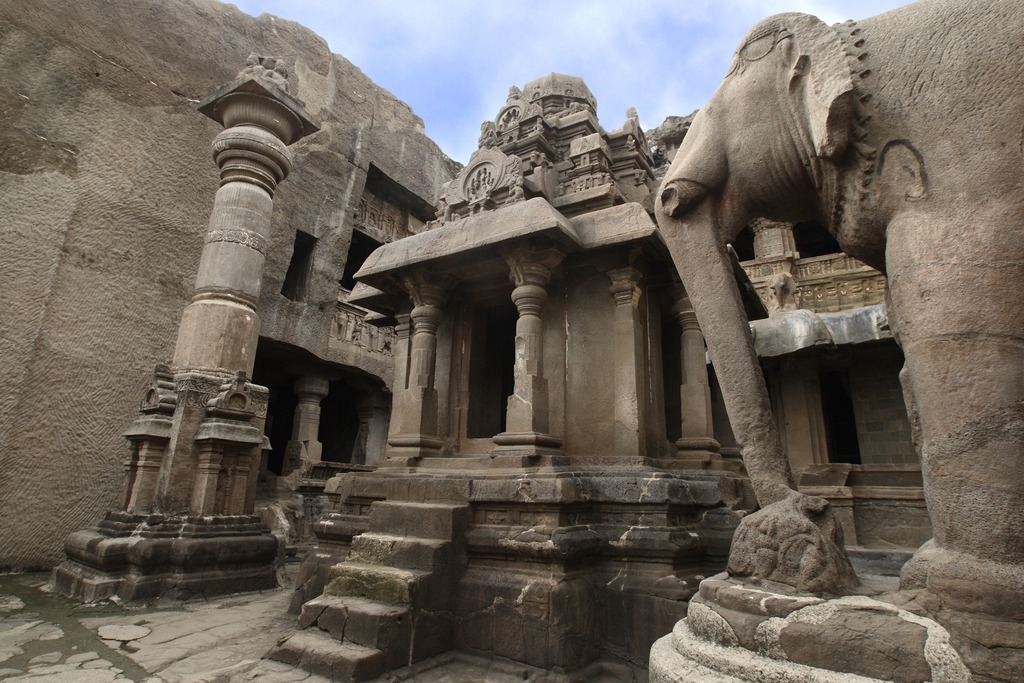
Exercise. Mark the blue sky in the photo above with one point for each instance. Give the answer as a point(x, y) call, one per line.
point(454, 61)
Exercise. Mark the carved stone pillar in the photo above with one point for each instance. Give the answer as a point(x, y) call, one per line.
point(413, 432)
point(697, 446)
point(309, 391)
point(628, 364)
point(219, 329)
point(526, 417)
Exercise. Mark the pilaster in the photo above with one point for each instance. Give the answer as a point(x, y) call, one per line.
point(697, 447)
point(628, 363)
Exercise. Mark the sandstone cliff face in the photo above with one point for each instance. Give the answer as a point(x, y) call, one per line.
point(106, 183)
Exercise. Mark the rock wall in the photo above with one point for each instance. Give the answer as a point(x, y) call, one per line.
point(106, 183)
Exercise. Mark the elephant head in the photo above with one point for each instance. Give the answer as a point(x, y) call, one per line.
point(759, 148)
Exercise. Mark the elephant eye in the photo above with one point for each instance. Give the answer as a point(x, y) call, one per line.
point(758, 46)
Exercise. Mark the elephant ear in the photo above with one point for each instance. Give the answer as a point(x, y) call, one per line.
point(824, 72)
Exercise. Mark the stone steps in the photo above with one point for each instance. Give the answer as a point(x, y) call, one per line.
point(318, 653)
point(388, 604)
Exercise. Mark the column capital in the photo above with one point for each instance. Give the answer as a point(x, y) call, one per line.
point(529, 265)
point(260, 119)
point(258, 96)
point(425, 289)
point(625, 285)
point(312, 386)
point(683, 310)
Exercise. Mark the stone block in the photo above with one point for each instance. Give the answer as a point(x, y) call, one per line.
point(867, 643)
point(334, 619)
point(421, 520)
point(385, 627)
point(312, 610)
point(318, 653)
point(405, 553)
point(374, 582)
point(433, 634)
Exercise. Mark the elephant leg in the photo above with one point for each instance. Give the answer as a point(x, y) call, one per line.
point(957, 293)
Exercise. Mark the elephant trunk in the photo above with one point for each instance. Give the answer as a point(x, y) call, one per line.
point(694, 239)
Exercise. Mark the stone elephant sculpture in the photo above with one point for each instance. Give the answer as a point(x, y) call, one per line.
point(902, 134)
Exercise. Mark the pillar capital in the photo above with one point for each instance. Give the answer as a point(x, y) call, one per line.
point(625, 285)
point(425, 289)
point(683, 310)
point(314, 386)
point(530, 265)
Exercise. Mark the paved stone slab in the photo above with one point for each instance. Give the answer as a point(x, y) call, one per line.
point(123, 632)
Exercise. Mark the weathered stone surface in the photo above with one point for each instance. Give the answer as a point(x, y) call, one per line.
point(796, 542)
point(865, 643)
point(122, 632)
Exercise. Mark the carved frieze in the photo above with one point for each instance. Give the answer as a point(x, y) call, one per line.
point(835, 282)
point(247, 238)
point(350, 327)
point(380, 218)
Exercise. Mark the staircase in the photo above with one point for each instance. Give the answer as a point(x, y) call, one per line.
point(390, 603)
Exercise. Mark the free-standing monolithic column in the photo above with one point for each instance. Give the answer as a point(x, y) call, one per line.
point(187, 525)
point(219, 328)
point(697, 446)
point(526, 417)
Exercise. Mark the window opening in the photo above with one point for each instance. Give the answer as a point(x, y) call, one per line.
point(358, 251)
point(296, 280)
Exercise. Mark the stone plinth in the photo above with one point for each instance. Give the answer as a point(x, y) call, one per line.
point(149, 556)
point(544, 568)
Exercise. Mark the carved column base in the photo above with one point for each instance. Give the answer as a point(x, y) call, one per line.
point(526, 445)
point(145, 556)
point(699, 453)
point(404, 450)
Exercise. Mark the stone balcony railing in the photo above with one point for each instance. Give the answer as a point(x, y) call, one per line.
point(834, 282)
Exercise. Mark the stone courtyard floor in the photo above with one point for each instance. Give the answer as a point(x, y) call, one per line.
point(46, 638)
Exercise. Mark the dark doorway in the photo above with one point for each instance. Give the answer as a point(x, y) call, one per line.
point(491, 369)
point(280, 415)
point(339, 423)
point(840, 424)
